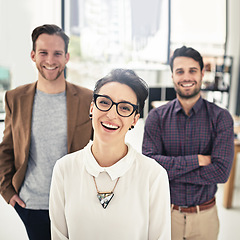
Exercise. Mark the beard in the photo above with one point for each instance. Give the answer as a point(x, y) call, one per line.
point(41, 71)
point(188, 95)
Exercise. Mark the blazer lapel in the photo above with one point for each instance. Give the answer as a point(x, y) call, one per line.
point(26, 106)
point(72, 112)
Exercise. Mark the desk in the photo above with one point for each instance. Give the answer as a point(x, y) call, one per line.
point(229, 185)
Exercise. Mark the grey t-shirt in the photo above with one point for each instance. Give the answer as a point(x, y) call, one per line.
point(48, 144)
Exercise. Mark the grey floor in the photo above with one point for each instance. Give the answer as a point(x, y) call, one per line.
point(11, 227)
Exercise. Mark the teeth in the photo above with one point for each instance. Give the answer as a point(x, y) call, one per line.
point(109, 126)
point(187, 85)
point(50, 68)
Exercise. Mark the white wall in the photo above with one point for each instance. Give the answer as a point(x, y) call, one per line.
point(199, 24)
point(233, 49)
point(17, 20)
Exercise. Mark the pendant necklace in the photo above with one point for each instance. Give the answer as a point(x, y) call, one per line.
point(104, 197)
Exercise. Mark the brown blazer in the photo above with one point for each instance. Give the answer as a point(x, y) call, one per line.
point(14, 148)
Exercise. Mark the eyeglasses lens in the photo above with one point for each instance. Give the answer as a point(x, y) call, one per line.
point(123, 109)
point(103, 103)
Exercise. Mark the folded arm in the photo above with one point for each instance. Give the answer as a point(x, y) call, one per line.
point(196, 169)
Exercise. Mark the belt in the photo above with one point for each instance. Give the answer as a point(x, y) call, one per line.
point(195, 209)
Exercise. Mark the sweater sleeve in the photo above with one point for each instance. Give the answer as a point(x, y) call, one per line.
point(59, 229)
point(160, 213)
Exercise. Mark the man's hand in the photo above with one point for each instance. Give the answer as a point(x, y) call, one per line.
point(16, 199)
point(204, 160)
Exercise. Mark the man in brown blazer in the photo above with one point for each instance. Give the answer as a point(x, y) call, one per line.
point(44, 121)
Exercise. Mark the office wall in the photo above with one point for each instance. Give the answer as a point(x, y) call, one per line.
point(233, 49)
point(17, 20)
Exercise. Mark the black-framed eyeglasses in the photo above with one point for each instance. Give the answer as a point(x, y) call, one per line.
point(105, 103)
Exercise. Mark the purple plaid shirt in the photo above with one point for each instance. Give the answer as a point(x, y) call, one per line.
point(174, 140)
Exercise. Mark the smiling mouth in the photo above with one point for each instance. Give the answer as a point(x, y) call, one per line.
point(110, 126)
point(50, 68)
point(185, 85)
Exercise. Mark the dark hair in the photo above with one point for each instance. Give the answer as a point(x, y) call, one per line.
point(50, 29)
point(131, 79)
point(187, 52)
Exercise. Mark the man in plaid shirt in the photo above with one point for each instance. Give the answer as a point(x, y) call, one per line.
point(193, 140)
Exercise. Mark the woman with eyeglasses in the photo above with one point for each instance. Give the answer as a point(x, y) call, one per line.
point(108, 190)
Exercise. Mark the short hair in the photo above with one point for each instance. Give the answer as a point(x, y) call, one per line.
point(50, 29)
point(129, 78)
point(187, 52)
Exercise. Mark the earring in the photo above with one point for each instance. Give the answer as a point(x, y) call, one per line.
point(90, 116)
point(132, 127)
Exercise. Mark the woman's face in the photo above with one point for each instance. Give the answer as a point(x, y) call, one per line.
point(109, 127)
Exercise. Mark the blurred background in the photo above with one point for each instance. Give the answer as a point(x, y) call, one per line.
point(136, 34)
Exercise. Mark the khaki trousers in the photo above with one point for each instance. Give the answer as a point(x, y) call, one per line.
point(203, 225)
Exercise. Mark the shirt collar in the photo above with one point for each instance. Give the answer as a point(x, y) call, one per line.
point(114, 171)
point(197, 106)
point(178, 106)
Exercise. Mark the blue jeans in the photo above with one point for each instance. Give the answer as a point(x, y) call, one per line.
point(37, 222)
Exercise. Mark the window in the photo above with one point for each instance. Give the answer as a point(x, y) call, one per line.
point(199, 24)
point(140, 35)
point(107, 34)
